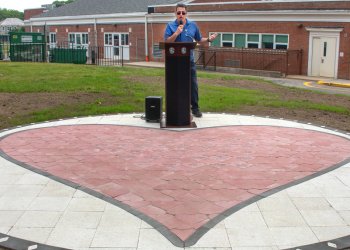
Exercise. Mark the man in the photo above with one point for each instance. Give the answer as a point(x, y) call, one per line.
point(185, 30)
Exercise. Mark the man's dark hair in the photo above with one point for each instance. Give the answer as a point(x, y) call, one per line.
point(181, 5)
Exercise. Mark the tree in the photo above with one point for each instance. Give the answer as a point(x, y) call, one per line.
point(5, 13)
point(60, 3)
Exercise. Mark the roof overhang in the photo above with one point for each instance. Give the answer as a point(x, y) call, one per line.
point(342, 16)
point(328, 16)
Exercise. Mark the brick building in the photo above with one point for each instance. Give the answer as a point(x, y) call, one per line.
point(319, 29)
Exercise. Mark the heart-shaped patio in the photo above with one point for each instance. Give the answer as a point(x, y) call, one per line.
point(181, 182)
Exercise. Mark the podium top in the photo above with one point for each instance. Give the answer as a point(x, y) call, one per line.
point(188, 45)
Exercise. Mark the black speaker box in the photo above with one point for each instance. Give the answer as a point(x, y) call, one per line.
point(153, 107)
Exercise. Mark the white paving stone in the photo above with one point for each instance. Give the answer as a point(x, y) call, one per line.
point(115, 237)
point(312, 203)
point(245, 218)
point(56, 189)
point(340, 203)
point(274, 203)
point(119, 219)
point(80, 219)
point(38, 219)
point(330, 233)
point(305, 189)
point(49, 204)
point(331, 187)
point(346, 216)
point(9, 218)
point(31, 233)
point(4, 188)
point(286, 237)
point(81, 194)
point(4, 230)
point(10, 168)
point(283, 218)
point(24, 191)
point(14, 204)
point(32, 179)
point(7, 179)
point(322, 218)
point(151, 239)
point(68, 237)
point(216, 237)
point(243, 237)
point(86, 204)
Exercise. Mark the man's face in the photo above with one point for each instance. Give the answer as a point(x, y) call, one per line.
point(181, 14)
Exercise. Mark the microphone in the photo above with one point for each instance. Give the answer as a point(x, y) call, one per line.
point(180, 22)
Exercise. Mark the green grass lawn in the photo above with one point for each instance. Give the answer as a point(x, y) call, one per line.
point(129, 86)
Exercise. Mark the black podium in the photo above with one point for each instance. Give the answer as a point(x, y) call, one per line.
point(178, 84)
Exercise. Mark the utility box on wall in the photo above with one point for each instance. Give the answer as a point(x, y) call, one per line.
point(27, 47)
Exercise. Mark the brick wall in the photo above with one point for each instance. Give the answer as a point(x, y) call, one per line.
point(136, 36)
point(298, 37)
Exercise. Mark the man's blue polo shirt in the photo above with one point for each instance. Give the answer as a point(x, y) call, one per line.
point(190, 32)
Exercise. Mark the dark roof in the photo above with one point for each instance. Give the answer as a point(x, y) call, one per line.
point(95, 7)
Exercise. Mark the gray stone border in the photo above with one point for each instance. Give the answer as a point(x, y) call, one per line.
point(175, 240)
point(340, 243)
point(10, 242)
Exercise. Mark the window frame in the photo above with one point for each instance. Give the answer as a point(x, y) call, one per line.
point(75, 37)
point(52, 39)
point(258, 43)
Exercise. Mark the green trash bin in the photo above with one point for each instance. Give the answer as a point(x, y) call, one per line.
point(63, 55)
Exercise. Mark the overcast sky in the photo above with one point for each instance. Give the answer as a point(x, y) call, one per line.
point(20, 5)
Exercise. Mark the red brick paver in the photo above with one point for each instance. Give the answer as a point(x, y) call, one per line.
point(181, 179)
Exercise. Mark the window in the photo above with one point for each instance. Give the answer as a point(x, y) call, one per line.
point(227, 40)
point(71, 38)
point(78, 40)
point(108, 39)
point(116, 39)
point(281, 42)
point(240, 40)
point(267, 42)
point(253, 41)
point(85, 38)
point(52, 40)
point(124, 39)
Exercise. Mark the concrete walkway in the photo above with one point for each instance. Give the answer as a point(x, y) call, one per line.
point(118, 182)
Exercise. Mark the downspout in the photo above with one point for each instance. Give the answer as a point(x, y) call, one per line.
point(146, 39)
point(95, 32)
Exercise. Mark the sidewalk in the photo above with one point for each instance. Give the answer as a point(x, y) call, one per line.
point(118, 182)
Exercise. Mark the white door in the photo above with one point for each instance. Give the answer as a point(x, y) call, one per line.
point(115, 45)
point(328, 47)
point(115, 49)
point(323, 56)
